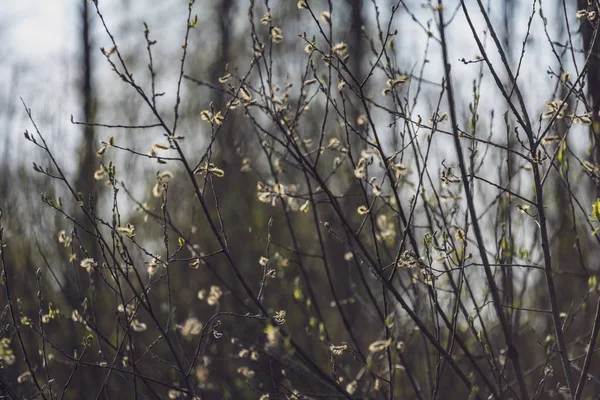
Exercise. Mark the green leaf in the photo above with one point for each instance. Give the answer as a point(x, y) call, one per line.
point(593, 282)
point(596, 210)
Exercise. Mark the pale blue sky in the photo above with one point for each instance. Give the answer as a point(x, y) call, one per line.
point(41, 61)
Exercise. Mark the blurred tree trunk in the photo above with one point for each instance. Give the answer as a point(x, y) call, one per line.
point(84, 182)
point(356, 38)
point(592, 49)
point(506, 236)
point(591, 45)
point(569, 249)
point(224, 11)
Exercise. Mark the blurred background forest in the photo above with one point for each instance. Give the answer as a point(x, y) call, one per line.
point(286, 214)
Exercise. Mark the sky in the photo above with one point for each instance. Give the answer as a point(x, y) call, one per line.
point(39, 44)
point(41, 63)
